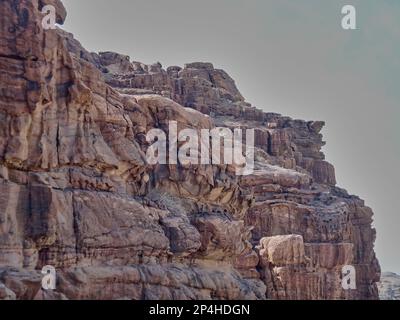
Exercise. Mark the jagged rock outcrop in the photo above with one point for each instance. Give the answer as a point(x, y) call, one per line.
point(389, 286)
point(77, 193)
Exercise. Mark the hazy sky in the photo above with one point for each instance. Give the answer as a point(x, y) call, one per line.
point(290, 57)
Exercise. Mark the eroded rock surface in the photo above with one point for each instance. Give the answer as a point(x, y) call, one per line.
point(389, 286)
point(77, 193)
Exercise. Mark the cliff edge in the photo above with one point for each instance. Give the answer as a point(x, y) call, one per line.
point(77, 192)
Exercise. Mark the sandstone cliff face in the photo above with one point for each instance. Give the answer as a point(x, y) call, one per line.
point(77, 193)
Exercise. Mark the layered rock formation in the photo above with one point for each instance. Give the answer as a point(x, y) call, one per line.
point(389, 286)
point(77, 192)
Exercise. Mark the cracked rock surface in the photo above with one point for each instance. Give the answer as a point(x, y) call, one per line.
point(389, 286)
point(77, 193)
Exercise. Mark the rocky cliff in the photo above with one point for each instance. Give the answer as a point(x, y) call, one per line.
point(389, 286)
point(77, 193)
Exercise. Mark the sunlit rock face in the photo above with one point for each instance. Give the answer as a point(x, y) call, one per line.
point(77, 192)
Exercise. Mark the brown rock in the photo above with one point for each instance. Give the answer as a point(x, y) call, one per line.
point(282, 250)
point(76, 191)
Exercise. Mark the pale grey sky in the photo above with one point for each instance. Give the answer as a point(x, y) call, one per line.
point(290, 57)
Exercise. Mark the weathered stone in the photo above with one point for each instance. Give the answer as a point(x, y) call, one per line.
point(77, 192)
point(283, 250)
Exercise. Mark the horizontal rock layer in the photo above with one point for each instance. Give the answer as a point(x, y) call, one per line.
point(77, 193)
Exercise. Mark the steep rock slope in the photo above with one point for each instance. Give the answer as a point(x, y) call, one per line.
point(77, 192)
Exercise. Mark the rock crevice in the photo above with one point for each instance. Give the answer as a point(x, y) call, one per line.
point(77, 193)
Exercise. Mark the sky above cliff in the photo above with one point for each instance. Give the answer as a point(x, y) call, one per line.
point(290, 57)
